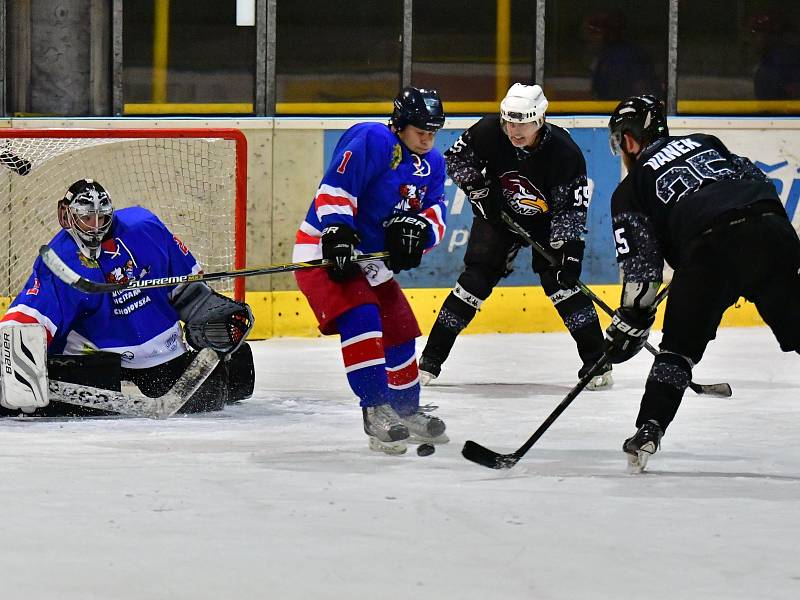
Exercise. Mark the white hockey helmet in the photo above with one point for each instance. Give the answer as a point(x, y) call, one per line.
point(524, 104)
point(86, 213)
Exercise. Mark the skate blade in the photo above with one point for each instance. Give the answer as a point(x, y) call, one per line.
point(439, 439)
point(601, 382)
point(638, 462)
point(392, 448)
point(425, 378)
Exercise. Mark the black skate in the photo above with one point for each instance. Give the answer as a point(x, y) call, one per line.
point(429, 369)
point(642, 445)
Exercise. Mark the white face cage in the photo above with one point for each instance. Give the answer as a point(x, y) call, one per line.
point(87, 218)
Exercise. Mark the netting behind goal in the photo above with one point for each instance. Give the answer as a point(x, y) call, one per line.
point(193, 179)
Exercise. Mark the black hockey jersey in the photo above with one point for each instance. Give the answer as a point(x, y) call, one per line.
point(540, 188)
point(678, 187)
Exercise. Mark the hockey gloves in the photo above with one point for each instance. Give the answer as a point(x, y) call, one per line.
point(211, 320)
point(338, 246)
point(486, 200)
point(628, 332)
point(406, 238)
point(569, 271)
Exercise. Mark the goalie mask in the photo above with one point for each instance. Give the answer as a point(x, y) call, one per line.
point(86, 213)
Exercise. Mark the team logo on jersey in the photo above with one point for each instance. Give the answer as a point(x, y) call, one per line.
point(521, 195)
point(34, 291)
point(412, 196)
point(397, 157)
point(126, 272)
point(422, 168)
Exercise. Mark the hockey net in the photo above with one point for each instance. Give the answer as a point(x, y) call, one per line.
point(194, 180)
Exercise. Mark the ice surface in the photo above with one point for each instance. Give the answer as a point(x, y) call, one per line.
point(279, 496)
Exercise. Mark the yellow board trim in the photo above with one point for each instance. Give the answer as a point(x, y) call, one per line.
point(508, 310)
point(477, 107)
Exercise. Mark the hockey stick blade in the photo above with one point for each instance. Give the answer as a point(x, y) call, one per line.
point(718, 390)
point(68, 275)
point(187, 384)
point(139, 405)
point(481, 455)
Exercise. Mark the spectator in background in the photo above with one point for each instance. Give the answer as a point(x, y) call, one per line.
point(619, 68)
point(777, 74)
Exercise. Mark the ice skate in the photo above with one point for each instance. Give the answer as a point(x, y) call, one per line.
point(425, 428)
point(385, 430)
point(429, 369)
point(644, 443)
point(602, 381)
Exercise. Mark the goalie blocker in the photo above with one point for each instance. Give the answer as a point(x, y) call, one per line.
point(27, 368)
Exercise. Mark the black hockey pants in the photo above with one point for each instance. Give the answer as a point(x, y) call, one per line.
point(752, 253)
point(489, 255)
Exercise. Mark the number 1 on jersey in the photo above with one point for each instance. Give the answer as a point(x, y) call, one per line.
point(345, 158)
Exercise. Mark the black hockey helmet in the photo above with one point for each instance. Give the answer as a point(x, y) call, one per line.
point(642, 117)
point(418, 107)
point(86, 212)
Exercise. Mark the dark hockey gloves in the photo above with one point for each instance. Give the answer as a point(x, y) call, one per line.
point(338, 246)
point(406, 238)
point(486, 200)
point(628, 332)
point(569, 271)
point(211, 320)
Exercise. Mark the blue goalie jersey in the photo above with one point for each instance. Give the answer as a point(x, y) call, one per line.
point(140, 325)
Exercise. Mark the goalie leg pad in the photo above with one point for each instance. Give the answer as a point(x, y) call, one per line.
point(24, 371)
point(212, 320)
point(241, 373)
point(98, 369)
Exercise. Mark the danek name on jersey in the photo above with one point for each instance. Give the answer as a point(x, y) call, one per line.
point(671, 151)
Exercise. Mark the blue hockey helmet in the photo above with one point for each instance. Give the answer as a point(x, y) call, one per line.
point(642, 117)
point(418, 107)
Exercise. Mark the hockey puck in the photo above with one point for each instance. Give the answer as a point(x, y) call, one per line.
point(425, 449)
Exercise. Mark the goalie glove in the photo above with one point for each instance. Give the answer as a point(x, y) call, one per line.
point(338, 246)
point(211, 320)
point(406, 238)
point(628, 332)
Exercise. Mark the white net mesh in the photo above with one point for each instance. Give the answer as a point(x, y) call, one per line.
point(190, 183)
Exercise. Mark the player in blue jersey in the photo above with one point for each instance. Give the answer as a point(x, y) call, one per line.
point(383, 190)
point(133, 335)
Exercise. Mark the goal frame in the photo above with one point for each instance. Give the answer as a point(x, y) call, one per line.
point(235, 135)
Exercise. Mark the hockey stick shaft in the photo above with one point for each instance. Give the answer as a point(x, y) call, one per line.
point(722, 390)
point(482, 455)
point(489, 458)
point(66, 274)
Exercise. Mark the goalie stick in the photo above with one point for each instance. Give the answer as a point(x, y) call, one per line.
point(482, 455)
point(66, 274)
point(718, 390)
point(139, 405)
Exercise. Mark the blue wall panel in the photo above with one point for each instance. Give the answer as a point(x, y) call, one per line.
point(441, 268)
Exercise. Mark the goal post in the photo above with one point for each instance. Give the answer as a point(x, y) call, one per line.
point(193, 179)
